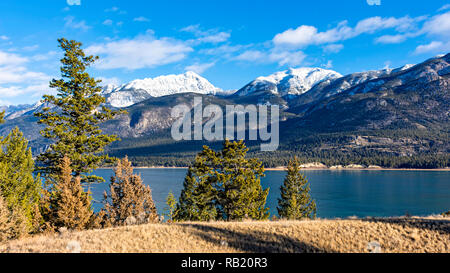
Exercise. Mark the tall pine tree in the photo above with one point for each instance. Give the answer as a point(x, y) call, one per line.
point(223, 185)
point(72, 121)
point(296, 202)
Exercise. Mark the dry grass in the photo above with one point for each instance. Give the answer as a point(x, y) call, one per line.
point(393, 234)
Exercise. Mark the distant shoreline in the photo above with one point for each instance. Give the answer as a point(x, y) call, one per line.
point(307, 169)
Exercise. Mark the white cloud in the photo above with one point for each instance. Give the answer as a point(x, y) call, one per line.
point(281, 57)
point(391, 39)
point(433, 47)
point(20, 74)
point(207, 36)
point(105, 81)
point(141, 19)
point(143, 51)
point(35, 91)
point(72, 23)
point(108, 22)
point(215, 38)
point(44, 57)
point(305, 35)
point(288, 58)
point(444, 7)
point(223, 49)
point(372, 24)
point(113, 9)
point(8, 59)
point(438, 25)
point(328, 65)
point(4, 38)
point(199, 68)
point(251, 56)
point(4, 103)
point(30, 48)
point(73, 2)
point(333, 48)
point(301, 36)
point(16, 79)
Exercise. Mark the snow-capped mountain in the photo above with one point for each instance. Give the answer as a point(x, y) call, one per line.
point(290, 82)
point(15, 111)
point(139, 90)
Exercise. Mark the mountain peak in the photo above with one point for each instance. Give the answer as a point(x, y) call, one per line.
point(142, 89)
point(192, 74)
point(294, 81)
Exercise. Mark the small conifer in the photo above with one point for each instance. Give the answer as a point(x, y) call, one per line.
point(129, 201)
point(21, 190)
point(70, 205)
point(296, 202)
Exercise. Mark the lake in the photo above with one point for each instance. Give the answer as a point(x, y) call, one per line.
point(338, 193)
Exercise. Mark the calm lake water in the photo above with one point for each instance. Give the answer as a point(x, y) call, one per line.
point(337, 193)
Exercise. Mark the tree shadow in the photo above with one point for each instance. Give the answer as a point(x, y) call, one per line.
point(441, 226)
point(253, 241)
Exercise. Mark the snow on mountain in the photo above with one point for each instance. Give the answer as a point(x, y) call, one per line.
point(15, 111)
point(139, 90)
point(290, 82)
point(405, 67)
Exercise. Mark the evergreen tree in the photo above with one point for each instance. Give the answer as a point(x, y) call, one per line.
point(129, 198)
point(239, 180)
point(197, 199)
point(20, 190)
point(296, 202)
point(13, 223)
point(223, 185)
point(2, 116)
point(72, 121)
point(171, 203)
point(69, 204)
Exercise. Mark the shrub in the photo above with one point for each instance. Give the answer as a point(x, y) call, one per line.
point(69, 205)
point(13, 223)
point(129, 201)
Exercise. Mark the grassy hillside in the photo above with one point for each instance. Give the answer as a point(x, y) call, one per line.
point(393, 234)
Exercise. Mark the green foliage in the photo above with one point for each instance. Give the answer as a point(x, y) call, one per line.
point(2, 117)
point(19, 188)
point(73, 121)
point(13, 223)
point(171, 203)
point(428, 151)
point(197, 199)
point(295, 202)
point(223, 185)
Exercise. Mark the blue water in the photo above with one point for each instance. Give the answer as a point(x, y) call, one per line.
point(337, 193)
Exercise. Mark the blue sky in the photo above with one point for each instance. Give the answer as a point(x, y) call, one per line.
point(228, 42)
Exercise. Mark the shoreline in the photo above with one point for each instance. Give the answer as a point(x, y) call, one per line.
point(309, 169)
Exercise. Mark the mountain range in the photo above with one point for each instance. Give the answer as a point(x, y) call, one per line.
point(390, 117)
